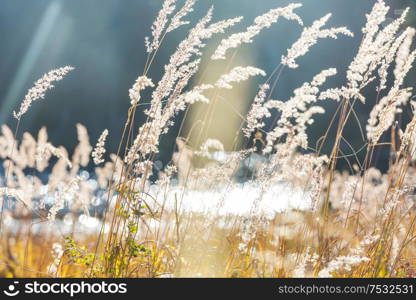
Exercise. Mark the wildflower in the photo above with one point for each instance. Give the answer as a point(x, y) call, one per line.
point(309, 37)
point(260, 23)
point(99, 150)
point(39, 89)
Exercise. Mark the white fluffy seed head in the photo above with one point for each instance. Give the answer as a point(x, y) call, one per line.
point(40, 87)
point(99, 149)
point(260, 23)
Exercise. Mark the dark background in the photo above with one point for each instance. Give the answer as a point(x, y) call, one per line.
point(103, 40)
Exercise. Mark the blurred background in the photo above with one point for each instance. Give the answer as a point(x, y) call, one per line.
point(104, 41)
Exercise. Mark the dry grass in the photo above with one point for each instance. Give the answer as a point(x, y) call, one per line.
point(115, 222)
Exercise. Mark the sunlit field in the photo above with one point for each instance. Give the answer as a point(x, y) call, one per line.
point(267, 203)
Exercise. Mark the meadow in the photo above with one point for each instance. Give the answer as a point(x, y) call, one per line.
point(273, 205)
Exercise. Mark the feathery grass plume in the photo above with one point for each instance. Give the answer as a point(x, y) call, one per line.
point(233, 194)
point(368, 55)
point(22, 155)
point(404, 51)
point(260, 23)
point(42, 139)
point(238, 74)
point(389, 44)
point(165, 177)
point(257, 112)
point(296, 108)
point(40, 87)
point(309, 37)
point(44, 152)
point(193, 96)
point(287, 164)
point(110, 172)
point(141, 83)
point(180, 103)
point(377, 49)
point(65, 193)
point(27, 151)
point(180, 67)
point(393, 199)
point(402, 72)
point(219, 27)
point(349, 191)
point(81, 155)
point(374, 48)
point(383, 113)
point(177, 18)
point(177, 74)
point(408, 138)
point(99, 149)
point(160, 24)
point(8, 144)
point(16, 194)
point(217, 173)
point(315, 167)
point(390, 55)
point(344, 263)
